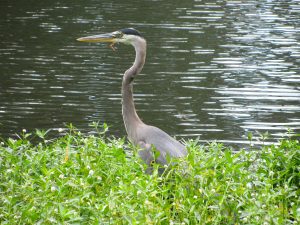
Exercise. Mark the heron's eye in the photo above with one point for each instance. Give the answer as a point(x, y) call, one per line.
point(118, 34)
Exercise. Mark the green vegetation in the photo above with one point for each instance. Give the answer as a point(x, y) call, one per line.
point(79, 179)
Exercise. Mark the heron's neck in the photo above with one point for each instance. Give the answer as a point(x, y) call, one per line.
point(130, 117)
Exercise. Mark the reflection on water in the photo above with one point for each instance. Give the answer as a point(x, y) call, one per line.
point(213, 71)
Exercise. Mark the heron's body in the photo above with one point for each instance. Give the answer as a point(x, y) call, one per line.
point(139, 133)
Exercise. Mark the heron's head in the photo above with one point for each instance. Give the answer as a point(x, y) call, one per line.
point(126, 36)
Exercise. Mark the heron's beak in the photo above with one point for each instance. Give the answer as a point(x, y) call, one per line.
point(109, 37)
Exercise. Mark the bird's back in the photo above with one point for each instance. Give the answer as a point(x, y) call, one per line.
point(163, 143)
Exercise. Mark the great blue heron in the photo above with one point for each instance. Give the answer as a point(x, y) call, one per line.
point(140, 134)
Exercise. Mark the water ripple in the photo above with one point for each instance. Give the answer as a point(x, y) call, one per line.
point(214, 70)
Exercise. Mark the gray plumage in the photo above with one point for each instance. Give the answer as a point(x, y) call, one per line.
point(139, 133)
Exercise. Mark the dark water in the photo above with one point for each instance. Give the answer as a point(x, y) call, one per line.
point(215, 69)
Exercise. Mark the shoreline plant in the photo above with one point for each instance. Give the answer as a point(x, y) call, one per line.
point(94, 179)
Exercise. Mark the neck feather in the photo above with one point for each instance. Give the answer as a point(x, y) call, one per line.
point(130, 117)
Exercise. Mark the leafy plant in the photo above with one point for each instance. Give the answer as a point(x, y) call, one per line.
point(94, 179)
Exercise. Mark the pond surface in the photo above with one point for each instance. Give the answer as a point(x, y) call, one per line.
point(215, 70)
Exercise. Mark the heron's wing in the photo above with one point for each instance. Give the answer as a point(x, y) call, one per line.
point(165, 144)
point(147, 154)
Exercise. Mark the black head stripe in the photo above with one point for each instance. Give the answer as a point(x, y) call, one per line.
point(131, 31)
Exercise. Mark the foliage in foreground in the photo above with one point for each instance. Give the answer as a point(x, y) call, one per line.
point(79, 179)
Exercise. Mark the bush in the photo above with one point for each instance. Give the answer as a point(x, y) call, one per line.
point(78, 179)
